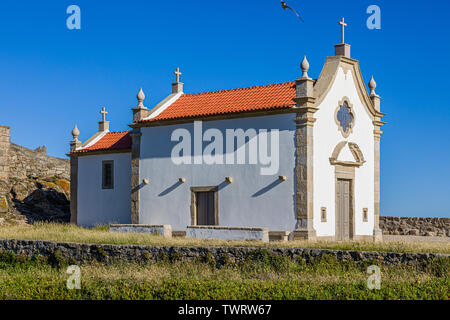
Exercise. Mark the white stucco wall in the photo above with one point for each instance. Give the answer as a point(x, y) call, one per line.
point(251, 200)
point(326, 137)
point(95, 205)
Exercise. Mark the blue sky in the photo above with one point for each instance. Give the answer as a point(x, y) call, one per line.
point(52, 77)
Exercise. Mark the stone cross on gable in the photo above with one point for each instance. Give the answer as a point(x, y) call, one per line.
point(343, 25)
point(104, 113)
point(177, 73)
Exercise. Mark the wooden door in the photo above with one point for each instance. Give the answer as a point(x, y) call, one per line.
point(205, 205)
point(343, 212)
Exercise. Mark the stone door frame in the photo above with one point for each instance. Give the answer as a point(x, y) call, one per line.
point(342, 172)
point(193, 205)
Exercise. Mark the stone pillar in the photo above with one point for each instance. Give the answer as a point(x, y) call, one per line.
point(304, 174)
point(377, 123)
point(304, 155)
point(103, 126)
point(5, 134)
point(74, 145)
point(342, 49)
point(135, 176)
point(177, 87)
point(73, 189)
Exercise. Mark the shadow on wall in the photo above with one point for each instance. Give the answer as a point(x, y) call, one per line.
point(170, 189)
point(267, 188)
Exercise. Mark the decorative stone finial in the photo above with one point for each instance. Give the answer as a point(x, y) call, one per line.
point(140, 111)
point(372, 85)
point(140, 98)
point(75, 133)
point(305, 67)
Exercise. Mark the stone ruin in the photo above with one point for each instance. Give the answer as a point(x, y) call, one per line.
point(33, 185)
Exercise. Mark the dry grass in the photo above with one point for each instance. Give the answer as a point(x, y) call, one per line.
point(101, 235)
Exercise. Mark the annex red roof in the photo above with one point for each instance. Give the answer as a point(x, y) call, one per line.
point(118, 140)
point(265, 97)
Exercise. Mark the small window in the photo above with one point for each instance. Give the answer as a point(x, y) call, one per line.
point(323, 214)
point(108, 174)
point(365, 214)
point(345, 117)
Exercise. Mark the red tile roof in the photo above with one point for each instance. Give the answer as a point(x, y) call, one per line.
point(265, 97)
point(118, 140)
point(257, 98)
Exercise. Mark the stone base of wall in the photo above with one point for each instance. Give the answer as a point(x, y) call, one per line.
point(160, 230)
point(279, 236)
point(438, 227)
point(84, 253)
point(227, 233)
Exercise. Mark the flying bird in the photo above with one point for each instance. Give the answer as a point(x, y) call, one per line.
point(285, 6)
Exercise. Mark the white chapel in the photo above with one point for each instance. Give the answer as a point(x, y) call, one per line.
point(301, 156)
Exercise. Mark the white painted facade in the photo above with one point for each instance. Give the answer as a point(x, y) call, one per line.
point(326, 138)
point(97, 206)
point(251, 200)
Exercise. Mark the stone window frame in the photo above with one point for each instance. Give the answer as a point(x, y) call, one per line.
point(104, 185)
point(193, 205)
point(352, 124)
point(365, 215)
point(323, 214)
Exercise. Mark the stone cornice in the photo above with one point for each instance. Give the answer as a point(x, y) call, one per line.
point(333, 161)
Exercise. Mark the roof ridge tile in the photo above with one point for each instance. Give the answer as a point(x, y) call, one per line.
point(239, 89)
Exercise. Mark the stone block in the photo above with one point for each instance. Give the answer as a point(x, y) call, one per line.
point(160, 230)
point(227, 233)
point(278, 235)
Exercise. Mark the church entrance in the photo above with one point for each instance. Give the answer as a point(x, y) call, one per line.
point(204, 210)
point(344, 209)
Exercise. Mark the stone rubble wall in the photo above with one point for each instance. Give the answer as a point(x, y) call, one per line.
point(4, 152)
point(33, 186)
point(25, 162)
point(439, 227)
point(17, 162)
point(85, 253)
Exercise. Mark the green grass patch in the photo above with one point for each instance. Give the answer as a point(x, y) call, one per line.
point(262, 276)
